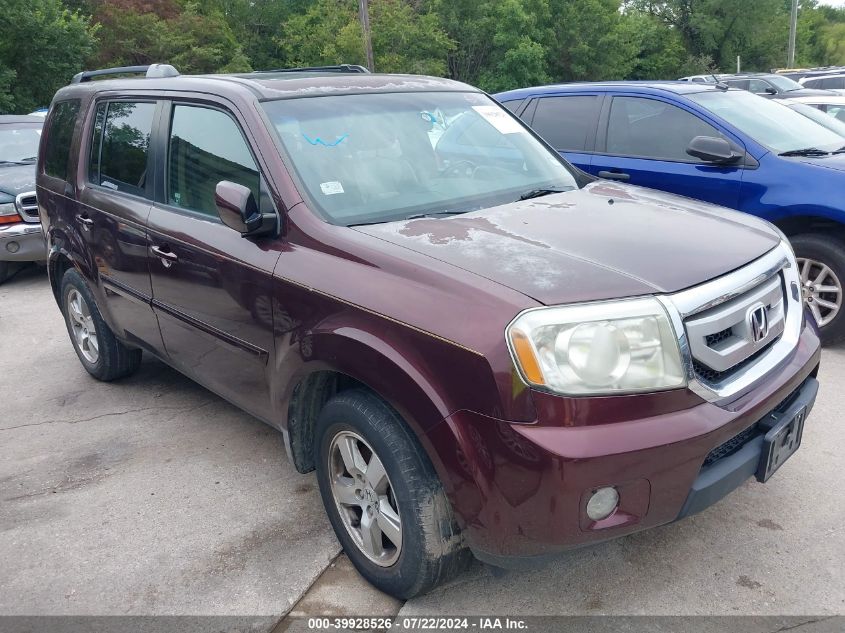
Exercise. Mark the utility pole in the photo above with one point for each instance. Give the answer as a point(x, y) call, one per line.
point(793, 27)
point(364, 15)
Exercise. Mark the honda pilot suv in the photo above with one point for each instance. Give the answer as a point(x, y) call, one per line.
point(503, 358)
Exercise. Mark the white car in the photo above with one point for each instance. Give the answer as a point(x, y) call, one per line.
point(833, 105)
point(835, 82)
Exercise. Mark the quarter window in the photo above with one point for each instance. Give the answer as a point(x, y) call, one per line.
point(198, 159)
point(566, 122)
point(59, 137)
point(120, 146)
point(653, 129)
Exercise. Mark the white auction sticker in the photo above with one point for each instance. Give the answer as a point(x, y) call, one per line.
point(499, 119)
point(331, 188)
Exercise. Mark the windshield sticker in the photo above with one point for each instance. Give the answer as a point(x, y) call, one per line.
point(331, 188)
point(428, 116)
point(499, 119)
point(319, 141)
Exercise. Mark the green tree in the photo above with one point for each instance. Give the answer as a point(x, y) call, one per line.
point(404, 40)
point(43, 45)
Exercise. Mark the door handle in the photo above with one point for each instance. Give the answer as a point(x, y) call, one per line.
point(167, 256)
point(614, 175)
point(84, 219)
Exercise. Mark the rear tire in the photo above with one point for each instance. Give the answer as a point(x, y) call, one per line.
point(409, 501)
point(823, 287)
point(98, 349)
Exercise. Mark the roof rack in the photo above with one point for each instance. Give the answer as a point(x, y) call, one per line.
point(340, 68)
point(150, 71)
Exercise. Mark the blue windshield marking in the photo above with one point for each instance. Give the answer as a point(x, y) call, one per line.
point(319, 141)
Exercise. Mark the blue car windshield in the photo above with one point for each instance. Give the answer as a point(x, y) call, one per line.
point(769, 123)
point(379, 157)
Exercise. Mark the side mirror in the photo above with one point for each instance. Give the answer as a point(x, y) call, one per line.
point(713, 150)
point(238, 209)
point(770, 91)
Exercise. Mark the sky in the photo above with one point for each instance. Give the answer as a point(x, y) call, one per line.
point(833, 3)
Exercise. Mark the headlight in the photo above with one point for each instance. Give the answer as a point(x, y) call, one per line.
point(597, 348)
point(8, 208)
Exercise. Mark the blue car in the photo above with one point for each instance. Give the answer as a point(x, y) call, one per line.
point(717, 144)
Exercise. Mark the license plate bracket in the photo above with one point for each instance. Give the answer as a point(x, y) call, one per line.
point(780, 442)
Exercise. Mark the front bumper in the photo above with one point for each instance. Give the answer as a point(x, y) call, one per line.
point(520, 490)
point(22, 242)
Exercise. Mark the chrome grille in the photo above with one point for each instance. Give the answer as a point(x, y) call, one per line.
point(723, 338)
point(27, 206)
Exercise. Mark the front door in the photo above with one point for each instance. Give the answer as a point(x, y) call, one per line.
point(211, 286)
point(644, 143)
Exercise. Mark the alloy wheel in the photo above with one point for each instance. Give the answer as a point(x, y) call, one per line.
point(821, 290)
point(82, 326)
point(365, 498)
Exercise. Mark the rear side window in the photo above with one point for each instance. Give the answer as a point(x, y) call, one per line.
point(813, 83)
point(566, 122)
point(742, 84)
point(198, 160)
point(513, 106)
point(59, 137)
point(834, 83)
point(120, 146)
point(649, 128)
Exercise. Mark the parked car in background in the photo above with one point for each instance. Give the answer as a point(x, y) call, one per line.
point(488, 358)
point(800, 73)
point(770, 85)
point(720, 145)
point(826, 120)
point(21, 239)
point(834, 82)
point(833, 106)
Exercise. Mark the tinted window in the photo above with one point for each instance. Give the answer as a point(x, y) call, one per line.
point(813, 83)
point(742, 84)
point(513, 106)
point(124, 146)
point(653, 129)
point(59, 138)
point(758, 85)
point(565, 122)
point(197, 160)
point(96, 143)
point(834, 83)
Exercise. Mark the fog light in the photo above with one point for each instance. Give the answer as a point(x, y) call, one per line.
point(13, 247)
point(602, 504)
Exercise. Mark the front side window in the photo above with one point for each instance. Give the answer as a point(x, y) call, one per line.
point(120, 146)
point(648, 128)
point(59, 137)
point(205, 147)
point(565, 122)
point(758, 86)
point(767, 122)
point(388, 156)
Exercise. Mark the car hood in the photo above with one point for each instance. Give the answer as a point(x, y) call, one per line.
point(15, 179)
point(604, 241)
point(807, 92)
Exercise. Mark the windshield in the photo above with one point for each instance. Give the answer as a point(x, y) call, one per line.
point(769, 123)
point(387, 156)
point(19, 142)
point(784, 83)
point(822, 118)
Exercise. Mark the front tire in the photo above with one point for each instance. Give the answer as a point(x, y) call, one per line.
point(98, 349)
point(383, 497)
point(821, 264)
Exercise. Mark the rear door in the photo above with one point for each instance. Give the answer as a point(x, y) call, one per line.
point(114, 202)
point(643, 140)
point(568, 123)
point(211, 287)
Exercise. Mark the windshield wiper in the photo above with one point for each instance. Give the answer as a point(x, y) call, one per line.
point(807, 151)
point(536, 193)
point(433, 214)
point(12, 162)
point(841, 150)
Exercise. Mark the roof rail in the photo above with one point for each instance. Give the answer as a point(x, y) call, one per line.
point(150, 71)
point(340, 68)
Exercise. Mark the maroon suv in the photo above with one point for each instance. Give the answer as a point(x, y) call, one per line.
point(476, 346)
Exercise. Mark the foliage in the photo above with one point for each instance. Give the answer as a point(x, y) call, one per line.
point(42, 44)
point(495, 44)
